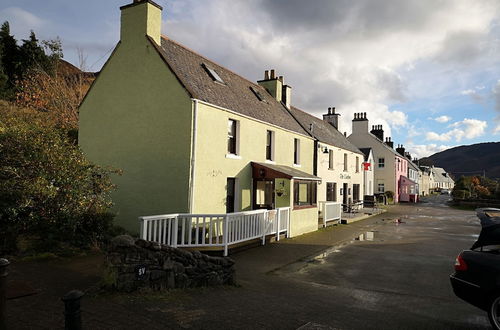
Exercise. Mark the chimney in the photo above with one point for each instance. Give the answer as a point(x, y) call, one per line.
point(286, 93)
point(408, 155)
point(360, 123)
point(140, 19)
point(378, 132)
point(401, 150)
point(389, 142)
point(332, 118)
point(274, 86)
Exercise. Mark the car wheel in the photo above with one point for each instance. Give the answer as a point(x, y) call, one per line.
point(494, 313)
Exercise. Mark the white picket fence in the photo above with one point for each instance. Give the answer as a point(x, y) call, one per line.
point(330, 211)
point(205, 230)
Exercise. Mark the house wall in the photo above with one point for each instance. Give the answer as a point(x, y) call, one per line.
point(213, 166)
point(137, 118)
point(386, 175)
point(352, 176)
point(401, 169)
point(368, 177)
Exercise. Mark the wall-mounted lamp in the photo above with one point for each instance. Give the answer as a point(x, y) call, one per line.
point(325, 151)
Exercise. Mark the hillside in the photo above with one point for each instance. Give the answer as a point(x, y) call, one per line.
point(468, 160)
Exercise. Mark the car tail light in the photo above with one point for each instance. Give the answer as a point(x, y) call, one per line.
point(460, 264)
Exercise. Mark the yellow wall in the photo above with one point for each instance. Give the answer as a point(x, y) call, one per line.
point(213, 166)
point(301, 221)
point(137, 118)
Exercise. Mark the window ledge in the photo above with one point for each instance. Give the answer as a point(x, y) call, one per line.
point(297, 165)
point(270, 161)
point(233, 156)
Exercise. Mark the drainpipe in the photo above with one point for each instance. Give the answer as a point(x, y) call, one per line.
point(193, 156)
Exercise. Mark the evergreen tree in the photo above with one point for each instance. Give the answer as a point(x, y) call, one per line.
point(10, 59)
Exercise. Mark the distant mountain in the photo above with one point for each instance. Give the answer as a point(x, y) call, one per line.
point(468, 160)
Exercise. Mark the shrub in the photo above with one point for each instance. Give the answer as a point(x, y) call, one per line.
point(49, 192)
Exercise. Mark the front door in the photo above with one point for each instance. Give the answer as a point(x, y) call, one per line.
point(345, 194)
point(230, 195)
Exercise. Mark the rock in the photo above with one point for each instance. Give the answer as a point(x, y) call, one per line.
point(122, 241)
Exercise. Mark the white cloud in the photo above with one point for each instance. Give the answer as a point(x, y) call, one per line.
point(468, 92)
point(356, 56)
point(425, 150)
point(465, 129)
point(21, 21)
point(442, 119)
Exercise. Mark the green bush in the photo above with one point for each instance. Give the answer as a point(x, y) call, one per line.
point(49, 192)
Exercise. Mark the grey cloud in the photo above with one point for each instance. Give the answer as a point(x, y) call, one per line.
point(364, 18)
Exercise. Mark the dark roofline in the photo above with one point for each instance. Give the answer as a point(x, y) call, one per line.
point(159, 51)
point(133, 4)
point(312, 134)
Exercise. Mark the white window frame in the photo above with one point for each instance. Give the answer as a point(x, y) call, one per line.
point(237, 142)
point(273, 144)
point(379, 162)
point(383, 188)
point(296, 151)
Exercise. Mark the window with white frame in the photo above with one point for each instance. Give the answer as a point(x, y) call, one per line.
point(381, 162)
point(270, 145)
point(330, 159)
point(232, 136)
point(345, 162)
point(381, 188)
point(296, 151)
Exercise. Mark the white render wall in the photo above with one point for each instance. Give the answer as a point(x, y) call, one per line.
point(352, 176)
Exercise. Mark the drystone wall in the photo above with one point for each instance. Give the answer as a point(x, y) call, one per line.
point(134, 264)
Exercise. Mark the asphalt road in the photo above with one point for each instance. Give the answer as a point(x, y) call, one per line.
point(396, 280)
point(399, 279)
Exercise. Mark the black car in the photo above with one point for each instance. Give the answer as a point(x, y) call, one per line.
point(477, 271)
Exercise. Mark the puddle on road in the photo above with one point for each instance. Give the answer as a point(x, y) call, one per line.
point(368, 236)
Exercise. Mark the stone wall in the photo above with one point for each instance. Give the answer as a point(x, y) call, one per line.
point(133, 264)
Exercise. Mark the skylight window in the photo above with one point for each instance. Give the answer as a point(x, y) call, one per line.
point(257, 93)
point(213, 74)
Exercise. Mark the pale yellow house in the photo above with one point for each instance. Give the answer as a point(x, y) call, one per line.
point(192, 136)
point(337, 161)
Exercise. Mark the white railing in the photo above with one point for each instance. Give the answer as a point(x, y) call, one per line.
point(330, 211)
point(205, 230)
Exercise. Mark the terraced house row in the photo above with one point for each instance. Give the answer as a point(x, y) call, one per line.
point(194, 137)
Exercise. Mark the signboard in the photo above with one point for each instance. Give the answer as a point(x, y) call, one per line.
point(140, 272)
point(345, 176)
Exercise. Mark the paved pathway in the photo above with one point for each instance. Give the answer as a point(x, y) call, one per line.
point(281, 285)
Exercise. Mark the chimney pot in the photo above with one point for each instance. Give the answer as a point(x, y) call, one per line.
point(272, 74)
point(333, 110)
point(266, 75)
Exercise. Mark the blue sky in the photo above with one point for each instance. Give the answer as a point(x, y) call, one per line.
point(428, 71)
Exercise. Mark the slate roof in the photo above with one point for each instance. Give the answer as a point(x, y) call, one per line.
point(235, 94)
point(366, 152)
point(438, 175)
point(323, 131)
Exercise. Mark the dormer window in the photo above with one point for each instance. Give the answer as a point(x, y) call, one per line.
point(213, 74)
point(257, 93)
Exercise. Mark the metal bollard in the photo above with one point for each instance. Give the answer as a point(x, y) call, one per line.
point(72, 313)
point(4, 263)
